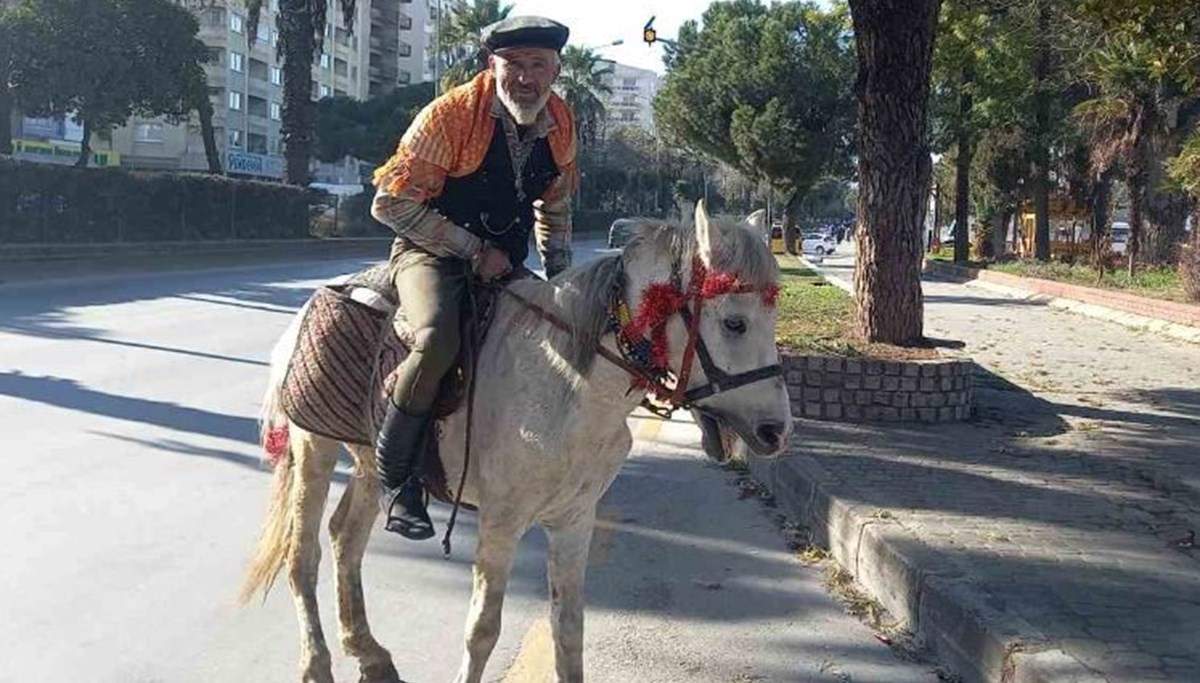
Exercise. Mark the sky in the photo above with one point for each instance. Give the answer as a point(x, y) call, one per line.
point(596, 23)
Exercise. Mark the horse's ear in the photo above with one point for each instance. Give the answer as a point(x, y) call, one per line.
point(758, 220)
point(706, 235)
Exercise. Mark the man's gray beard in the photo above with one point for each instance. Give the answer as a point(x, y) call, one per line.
point(523, 114)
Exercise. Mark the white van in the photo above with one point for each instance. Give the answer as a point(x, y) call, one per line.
point(1120, 237)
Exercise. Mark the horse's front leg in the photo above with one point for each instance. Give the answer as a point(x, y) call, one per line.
point(493, 562)
point(566, 567)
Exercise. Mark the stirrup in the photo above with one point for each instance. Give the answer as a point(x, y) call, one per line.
point(404, 508)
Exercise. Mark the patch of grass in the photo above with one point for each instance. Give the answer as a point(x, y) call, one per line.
point(816, 317)
point(946, 253)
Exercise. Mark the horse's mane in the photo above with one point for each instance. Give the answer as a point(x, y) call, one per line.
point(581, 295)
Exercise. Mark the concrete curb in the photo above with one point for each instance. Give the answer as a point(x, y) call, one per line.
point(933, 598)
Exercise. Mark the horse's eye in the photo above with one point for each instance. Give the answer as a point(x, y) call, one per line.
point(735, 325)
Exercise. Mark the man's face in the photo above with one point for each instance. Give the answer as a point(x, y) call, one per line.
point(523, 79)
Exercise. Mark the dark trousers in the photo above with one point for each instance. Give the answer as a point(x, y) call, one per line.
point(431, 291)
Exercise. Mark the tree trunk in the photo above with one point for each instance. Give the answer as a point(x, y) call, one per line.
point(85, 145)
point(894, 42)
point(1101, 197)
point(204, 108)
point(1166, 213)
point(296, 130)
point(1196, 224)
point(962, 170)
point(6, 107)
point(1041, 151)
point(1000, 233)
point(1137, 196)
point(792, 241)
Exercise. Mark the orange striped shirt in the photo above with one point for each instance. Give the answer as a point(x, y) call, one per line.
point(451, 135)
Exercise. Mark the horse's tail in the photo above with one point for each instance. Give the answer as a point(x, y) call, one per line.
point(274, 542)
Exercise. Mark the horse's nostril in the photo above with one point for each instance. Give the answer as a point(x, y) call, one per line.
point(770, 433)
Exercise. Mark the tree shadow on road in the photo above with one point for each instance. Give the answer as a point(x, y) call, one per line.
point(1061, 514)
point(50, 311)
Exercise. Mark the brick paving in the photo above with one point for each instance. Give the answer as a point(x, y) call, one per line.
point(1070, 499)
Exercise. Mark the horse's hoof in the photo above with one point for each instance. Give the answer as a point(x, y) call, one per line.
point(381, 672)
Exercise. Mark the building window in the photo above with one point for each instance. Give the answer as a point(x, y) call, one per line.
point(325, 91)
point(324, 60)
point(276, 75)
point(235, 100)
point(405, 50)
point(263, 33)
point(274, 38)
point(275, 111)
point(237, 62)
point(354, 73)
point(235, 139)
point(236, 23)
point(214, 16)
point(273, 145)
point(148, 132)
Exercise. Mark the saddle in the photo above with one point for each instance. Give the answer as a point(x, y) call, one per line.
point(343, 369)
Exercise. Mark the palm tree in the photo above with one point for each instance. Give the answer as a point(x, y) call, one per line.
point(1134, 121)
point(301, 25)
point(581, 84)
point(461, 36)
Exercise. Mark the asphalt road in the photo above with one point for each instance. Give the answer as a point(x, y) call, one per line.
point(133, 491)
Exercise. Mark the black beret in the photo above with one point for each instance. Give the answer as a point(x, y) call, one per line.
point(525, 32)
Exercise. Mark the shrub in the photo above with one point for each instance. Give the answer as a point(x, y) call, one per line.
point(42, 203)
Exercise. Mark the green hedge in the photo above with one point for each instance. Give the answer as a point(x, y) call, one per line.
point(41, 203)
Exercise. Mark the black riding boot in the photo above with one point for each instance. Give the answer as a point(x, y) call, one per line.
point(398, 449)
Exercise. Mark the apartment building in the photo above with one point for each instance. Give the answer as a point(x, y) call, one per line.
point(630, 102)
point(388, 47)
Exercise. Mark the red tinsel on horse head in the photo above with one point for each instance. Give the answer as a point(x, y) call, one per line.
point(661, 300)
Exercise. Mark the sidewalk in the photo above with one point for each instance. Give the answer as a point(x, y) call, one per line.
point(1055, 525)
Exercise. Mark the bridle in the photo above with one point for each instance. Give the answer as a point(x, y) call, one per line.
point(641, 337)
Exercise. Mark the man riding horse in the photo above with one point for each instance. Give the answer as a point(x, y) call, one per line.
point(478, 169)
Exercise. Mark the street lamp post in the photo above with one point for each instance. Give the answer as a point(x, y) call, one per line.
point(618, 41)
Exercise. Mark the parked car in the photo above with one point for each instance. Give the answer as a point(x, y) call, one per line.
point(816, 243)
point(1119, 237)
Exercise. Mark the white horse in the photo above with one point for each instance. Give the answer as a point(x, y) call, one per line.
point(549, 435)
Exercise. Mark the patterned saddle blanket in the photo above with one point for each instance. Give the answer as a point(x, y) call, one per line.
point(342, 372)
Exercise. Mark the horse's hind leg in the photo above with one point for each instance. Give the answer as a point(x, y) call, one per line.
point(315, 458)
point(350, 528)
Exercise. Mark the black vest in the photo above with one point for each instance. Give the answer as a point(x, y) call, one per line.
point(486, 202)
